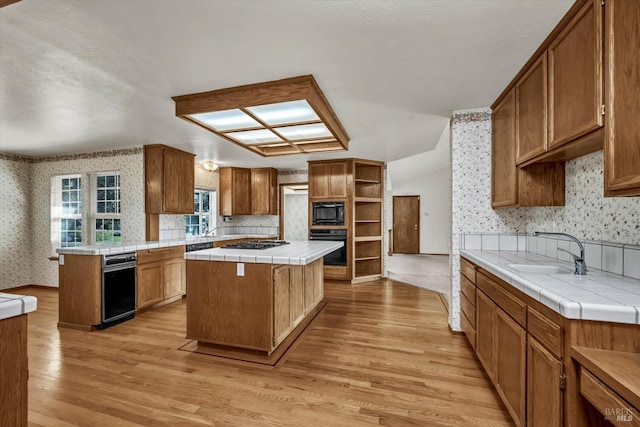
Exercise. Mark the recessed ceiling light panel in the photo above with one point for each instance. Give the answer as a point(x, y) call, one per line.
point(301, 132)
point(259, 136)
point(285, 112)
point(227, 120)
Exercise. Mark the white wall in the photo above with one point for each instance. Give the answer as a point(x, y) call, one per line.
point(428, 175)
point(296, 217)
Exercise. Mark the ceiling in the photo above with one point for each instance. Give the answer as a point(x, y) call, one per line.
point(86, 75)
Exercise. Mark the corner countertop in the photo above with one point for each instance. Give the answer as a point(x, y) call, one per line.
point(597, 296)
point(140, 246)
point(296, 252)
point(12, 305)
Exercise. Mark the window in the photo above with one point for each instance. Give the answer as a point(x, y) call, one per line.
point(106, 208)
point(204, 213)
point(66, 211)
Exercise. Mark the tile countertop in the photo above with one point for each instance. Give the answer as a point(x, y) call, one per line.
point(298, 253)
point(140, 246)
point(597, 296)
point(12, 305)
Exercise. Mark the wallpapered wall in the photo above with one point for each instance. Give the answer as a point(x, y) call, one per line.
point(15, 232)
point(296, 213)
point(586, 214)
point(32, 185)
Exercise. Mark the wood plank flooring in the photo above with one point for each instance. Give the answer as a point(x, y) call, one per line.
point(379, 354)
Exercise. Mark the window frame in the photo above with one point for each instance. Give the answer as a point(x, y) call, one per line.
point(57, 214)
point(94, 215)
point(212, 214)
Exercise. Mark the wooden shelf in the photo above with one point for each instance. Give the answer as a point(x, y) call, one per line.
point(367, 220)
point(367, 200)
point(367, 238)
point(367, 181)
point(367, 258)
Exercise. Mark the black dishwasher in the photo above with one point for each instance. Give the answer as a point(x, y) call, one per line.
point(118, 288)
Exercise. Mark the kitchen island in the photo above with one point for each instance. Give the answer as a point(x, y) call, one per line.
point(252, 301)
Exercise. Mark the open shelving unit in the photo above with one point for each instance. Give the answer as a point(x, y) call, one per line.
point(368, 182)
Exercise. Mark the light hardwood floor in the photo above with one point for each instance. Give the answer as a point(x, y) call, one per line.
point(379, 354)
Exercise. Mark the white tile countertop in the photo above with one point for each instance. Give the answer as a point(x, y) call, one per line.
point(298, 253)
point(12, 305)
point(140, 246)
point(597, 296)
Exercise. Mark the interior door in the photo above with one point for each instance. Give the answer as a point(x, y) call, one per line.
point(406, 224)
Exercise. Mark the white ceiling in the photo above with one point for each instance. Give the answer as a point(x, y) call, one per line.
point(84, 75)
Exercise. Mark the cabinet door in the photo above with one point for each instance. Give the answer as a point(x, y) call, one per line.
point(575, 77)
point(281, 303)
point(504, 176)
point(309, 278)
point(622, 92)
point(318, 281)
point(544, 393)
point(318, 180)
point(485, 330)
point(296, 294)
point(263, 191)
point(178, 182)
point(149, 284)
point(531, 111)
point(510, 367)
point(173, 278)
point(338, 180)
point(241, 193)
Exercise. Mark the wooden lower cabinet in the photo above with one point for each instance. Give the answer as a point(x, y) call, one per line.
point(161, 275)
point(281, 303)
point(544, 387)
point(13, 371)
point(296, 295)
point(510, 365)
point(485, 332)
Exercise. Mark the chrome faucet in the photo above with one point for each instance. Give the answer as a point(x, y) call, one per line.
point(581, 265)
point(209, 233)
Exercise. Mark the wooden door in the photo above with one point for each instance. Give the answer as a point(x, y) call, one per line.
point(149, 284)
point(171, 182)
point(510, 367)
point(406, 224)
point(173, 277)
point(622, 92)
point(187, 182)
point(318, 180)
point(504, 173)
point(544, 393)
point(531, 111)
point(575, 77)
point(241, 193)
point(263, 191)
point(485, 331)
point(281, 303)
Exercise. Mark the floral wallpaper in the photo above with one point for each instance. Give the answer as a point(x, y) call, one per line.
point(296, 212)
point(32, 185)
point(15, 232)
point(586, 214)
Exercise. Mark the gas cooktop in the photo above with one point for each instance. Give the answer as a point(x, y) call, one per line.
point(258, 244)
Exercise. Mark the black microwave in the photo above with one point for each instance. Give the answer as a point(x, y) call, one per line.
point(327, 213)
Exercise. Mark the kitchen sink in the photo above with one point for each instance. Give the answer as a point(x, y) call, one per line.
point(539, 269)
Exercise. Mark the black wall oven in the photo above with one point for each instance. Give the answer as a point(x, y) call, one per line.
point(339, 256)
point(118, 288)
point(327, 213)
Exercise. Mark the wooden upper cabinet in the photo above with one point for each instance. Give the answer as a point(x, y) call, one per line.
point(622, 98)
point(235, 191)
point(575, 77)
point(531, 111)
point(504, 177)
point(169, 180)
point(328, 180)
point(264, 196)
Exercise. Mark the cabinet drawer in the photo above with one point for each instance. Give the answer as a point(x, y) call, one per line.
point(547, 332)
point(468, 288)
point(468, 309)
point(606, 401)
point(468, 330)
point(468, 270)
point(160, 254)
point(509, 303)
